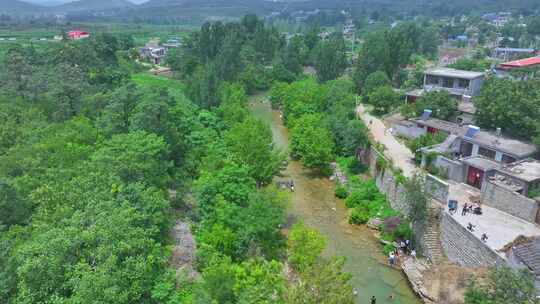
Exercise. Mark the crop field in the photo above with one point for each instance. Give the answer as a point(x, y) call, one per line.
point(44, 34)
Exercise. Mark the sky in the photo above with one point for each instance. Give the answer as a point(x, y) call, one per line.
point(49, 2)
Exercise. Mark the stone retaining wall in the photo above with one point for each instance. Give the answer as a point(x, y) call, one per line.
point(387, 183)
point(510, 202)
point(437, 188)
point(454, 169)
point(458, 244)
point(463, 248)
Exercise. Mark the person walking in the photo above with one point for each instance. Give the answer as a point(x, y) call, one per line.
point(373, 300)
point(465, 209)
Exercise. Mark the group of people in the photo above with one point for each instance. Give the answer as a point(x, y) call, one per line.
point(471, 208)
point(404, 248)
point(471, 227)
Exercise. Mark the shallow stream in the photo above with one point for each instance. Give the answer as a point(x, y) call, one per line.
point(314, 203)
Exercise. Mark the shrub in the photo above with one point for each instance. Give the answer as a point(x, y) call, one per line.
point(341, 192)
point(395, 228)
point(359, 215)
point(388, 248)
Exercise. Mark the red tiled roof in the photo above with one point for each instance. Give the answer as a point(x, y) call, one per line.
point(522, 63)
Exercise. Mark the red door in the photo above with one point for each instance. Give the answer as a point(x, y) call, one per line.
point(475, 177)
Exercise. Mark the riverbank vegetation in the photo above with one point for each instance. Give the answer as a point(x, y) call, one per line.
point(321, 119)
point(97, 162)
point(503, 285)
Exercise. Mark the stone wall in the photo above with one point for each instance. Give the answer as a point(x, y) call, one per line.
point(395, 192)
point(387, 183)
point(407, 130)
point(437, 188)
point(454, 169)
point(509, 201)
point(463, 248)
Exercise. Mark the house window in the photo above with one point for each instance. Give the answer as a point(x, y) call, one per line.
point(448, 82)
point(432, 80)
point(486, 152)
point(463, 83)
point(507, 159)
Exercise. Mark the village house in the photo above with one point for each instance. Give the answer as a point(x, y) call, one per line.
point(524, 253)
point(522, 177)
point(153, 52)
point(463, 85)
point(520, 69)
point(468, 152)
point(77, 35)
point(505, 53)
point(504, 170)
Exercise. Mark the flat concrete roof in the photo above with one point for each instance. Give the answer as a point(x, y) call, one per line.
point(481, 162)
point(501, 228)
point(440, 124)
point(527, 170)
point(466, 107)
point(453, 73)
point(512, 147)
point(416, 93)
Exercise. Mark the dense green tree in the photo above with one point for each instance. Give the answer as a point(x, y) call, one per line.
point(251, 143)
point(233, 104)
point(305, 245)
point(329, 58)
point(135, 157)
point(311, 142)
point(67, 91)
point(441, 103)
point(510, 105)
point(15, 209)
point(325, 282)
point(117, 114)
point(374, 81)
point(302, 97)
point(504, 285)
point(384, 99)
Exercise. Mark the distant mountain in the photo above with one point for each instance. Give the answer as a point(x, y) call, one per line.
point(93, 5)
point(18, 7)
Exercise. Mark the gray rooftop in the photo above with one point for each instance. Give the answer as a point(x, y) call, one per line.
point(516, 50)
point(527, 170)
point(466, 107)
point(512, 147)
point(529, 253)
point(481, 162)
point(416, 92)
point(453, 73)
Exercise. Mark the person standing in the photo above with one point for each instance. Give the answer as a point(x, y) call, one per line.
point(465, 209)
point(484, 237)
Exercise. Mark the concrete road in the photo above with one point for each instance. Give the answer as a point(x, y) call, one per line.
point(396, 151)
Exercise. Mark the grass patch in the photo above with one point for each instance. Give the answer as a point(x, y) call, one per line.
point(146, 80)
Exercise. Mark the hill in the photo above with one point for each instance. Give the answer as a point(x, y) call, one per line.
point(93, 5)
point(19, 7)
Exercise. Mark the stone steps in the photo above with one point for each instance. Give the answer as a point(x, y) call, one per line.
point(432, 235)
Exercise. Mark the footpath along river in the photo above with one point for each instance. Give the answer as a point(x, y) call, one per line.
point(314, 203)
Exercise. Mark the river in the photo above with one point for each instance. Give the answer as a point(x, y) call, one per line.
point(314, 203)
